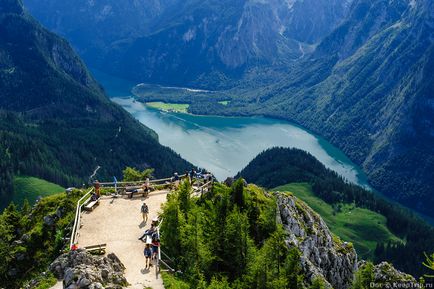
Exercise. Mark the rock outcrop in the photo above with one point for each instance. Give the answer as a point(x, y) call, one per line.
point(324, 255)
point(79, 269)
point(385, 276)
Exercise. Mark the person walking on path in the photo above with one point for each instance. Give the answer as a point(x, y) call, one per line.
point(148, 254)
point(145, 211)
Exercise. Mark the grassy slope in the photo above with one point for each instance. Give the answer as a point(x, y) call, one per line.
point(31, 188)
point(177, 107)
point(362, 227)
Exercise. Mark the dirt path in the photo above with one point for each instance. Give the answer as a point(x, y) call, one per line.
point(118, 223)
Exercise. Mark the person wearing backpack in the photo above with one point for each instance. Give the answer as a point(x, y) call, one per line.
point(145, 211)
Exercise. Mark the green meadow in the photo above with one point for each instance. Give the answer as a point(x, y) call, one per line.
point(176, 107)
point(31, 188)
point(362, 227)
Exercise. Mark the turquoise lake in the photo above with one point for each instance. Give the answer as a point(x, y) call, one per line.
point(225, 145)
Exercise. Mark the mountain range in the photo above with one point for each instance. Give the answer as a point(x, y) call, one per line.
point(157, 40)
point(56, 122)
point(357, 72)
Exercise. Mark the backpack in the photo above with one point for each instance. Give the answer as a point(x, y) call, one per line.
point(145, 208)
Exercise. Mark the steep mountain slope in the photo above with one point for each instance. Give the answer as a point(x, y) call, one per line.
point(55, 121)
point(89, 25)
point(158, 40)
point(377, 104)
point(279, 166)
point(368, 88)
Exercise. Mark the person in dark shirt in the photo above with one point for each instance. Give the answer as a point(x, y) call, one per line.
point(148, 253)
point(145, 210)
point(148, 232)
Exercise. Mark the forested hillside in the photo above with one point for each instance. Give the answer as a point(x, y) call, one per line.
point(230, 238)
point(367, 88)
point(357, 72)
point(55, 121)
point(280, 166)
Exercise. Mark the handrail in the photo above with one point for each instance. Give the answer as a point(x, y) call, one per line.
point(200, 188)
point(76, 226)
point(157, 266)
point(140, 182)
point(77, 219)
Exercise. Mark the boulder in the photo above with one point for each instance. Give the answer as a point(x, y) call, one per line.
point(79, 269)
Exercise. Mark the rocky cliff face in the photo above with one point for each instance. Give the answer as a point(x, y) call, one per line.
point(324, 255)
point(79, 269)
point(157, 40)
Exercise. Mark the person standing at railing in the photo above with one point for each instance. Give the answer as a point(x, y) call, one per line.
point(97, 185)
point(155, 245)
point(148, 185)
point(192, 176)
point(149, 232)
point(175, 180)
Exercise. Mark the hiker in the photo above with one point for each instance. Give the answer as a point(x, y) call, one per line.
point(147, 186)
point(155, 245)
point(175, 180)
point(148, 253)
point(97, 185)
point(145, 210)
point(148, 232)
point(192, 175)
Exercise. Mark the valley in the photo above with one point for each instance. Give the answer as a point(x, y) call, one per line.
point(224, 145)
point(315, 118)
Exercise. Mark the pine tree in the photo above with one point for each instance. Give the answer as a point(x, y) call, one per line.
point(238, 193)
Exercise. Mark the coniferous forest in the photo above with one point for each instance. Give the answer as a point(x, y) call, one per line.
point(228, 238)
point(279, 166)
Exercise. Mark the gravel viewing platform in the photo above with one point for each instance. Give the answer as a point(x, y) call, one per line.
point(118, 223)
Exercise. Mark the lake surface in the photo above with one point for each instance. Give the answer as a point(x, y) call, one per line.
point(225, 145)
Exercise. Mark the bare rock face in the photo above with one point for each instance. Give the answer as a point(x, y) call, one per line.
point(385, 276)
point(324, 255)
point(79, 269)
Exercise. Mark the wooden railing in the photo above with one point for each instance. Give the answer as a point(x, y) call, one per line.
point(199, 190)
point(76, 228)
point(159, 260)
point(120, 185)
